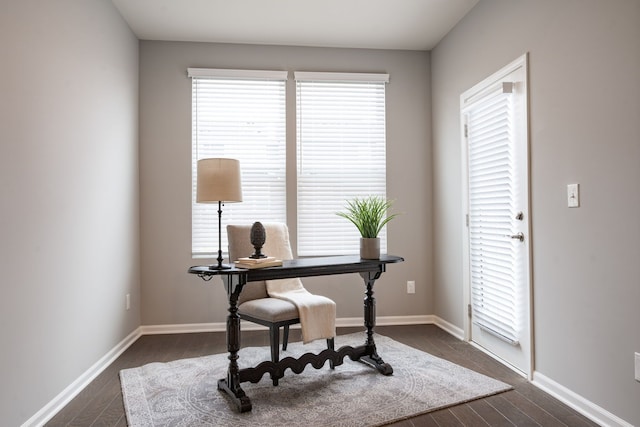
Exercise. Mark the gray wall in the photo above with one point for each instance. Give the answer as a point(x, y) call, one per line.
point(169, 294)
point(69, 192)
point(584, 112)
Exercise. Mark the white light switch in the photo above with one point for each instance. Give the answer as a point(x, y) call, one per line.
point(637, 366)
point(573, 195)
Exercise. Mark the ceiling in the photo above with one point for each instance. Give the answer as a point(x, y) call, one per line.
point(371, 24)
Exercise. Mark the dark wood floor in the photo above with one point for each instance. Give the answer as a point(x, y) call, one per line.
point(100, 403)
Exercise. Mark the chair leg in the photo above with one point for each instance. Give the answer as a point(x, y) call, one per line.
point(274, 333)
point(331, 346)
point(285, 338)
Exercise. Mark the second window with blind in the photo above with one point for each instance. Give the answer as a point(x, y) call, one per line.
point(340, 151)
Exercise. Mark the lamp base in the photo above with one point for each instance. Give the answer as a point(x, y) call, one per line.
point(219, 267)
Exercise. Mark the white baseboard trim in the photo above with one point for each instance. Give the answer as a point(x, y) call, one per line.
point(185, 328)
point(577, 402)
point(448, 327)
point(72, 390)
point(248, 326)
point(587, 408)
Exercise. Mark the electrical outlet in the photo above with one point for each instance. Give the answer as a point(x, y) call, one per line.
point(411, 287)
point(128, 301)
point(638, 367)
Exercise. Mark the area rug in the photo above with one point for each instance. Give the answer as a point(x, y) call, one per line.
point(184, 392)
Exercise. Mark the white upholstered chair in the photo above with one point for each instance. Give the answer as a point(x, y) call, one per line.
point(254, 303)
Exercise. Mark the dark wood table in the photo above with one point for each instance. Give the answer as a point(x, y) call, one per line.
point(234, 280)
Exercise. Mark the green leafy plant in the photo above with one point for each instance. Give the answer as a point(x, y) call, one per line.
point(368, 214)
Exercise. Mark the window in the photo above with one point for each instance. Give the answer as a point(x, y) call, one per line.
point(239, 114)
point(340, 155)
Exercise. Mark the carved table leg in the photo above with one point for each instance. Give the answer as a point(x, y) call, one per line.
point(370, 322)
point(231, 384)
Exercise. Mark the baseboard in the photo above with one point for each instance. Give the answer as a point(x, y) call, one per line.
point(248, 326)
point(187, 328)
point(448, 327)
point(71, 391)
point(587, 408)
point(577, 402)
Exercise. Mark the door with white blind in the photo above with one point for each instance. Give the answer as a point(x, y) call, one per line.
point(495, 143)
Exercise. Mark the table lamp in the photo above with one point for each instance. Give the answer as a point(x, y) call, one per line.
point(219, 182)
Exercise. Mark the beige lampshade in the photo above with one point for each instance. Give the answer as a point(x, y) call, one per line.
point(219, 181)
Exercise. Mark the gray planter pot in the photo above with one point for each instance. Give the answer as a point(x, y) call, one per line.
point(370, 247)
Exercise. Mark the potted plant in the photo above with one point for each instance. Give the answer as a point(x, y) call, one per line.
point(369, 215)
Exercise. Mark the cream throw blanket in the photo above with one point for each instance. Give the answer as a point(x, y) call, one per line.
point(317, 313)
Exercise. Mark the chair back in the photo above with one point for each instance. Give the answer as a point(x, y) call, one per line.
point(276, 244)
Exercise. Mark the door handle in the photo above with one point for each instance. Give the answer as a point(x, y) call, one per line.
point(518, 236)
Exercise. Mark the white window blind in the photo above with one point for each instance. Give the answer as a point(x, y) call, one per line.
point(341, 154)
point(493, 261)
point(239, 114)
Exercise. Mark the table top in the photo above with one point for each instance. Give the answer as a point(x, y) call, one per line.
point(304, 267)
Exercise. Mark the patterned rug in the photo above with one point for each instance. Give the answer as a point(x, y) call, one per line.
point(184, 392)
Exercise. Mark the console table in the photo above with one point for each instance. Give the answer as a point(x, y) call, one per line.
point(235, 278)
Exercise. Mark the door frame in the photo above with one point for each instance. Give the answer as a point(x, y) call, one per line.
point(475, 91)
